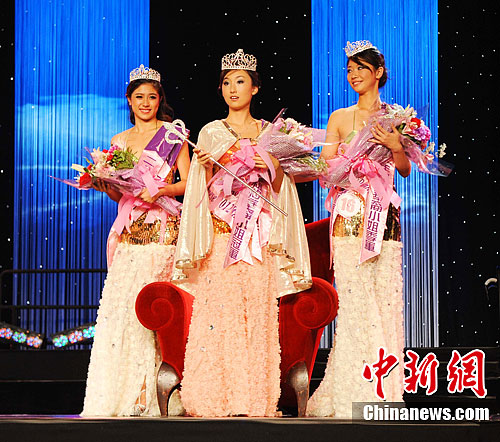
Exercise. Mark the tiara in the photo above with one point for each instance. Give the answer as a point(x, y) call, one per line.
point(144, 73)
point(357, 46)
point(239, 60)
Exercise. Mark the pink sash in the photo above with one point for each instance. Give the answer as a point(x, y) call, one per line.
point(241, 209)
point(375, 185)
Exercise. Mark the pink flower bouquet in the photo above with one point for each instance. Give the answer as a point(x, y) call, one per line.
point(124, 172)
point(292, 144)
point(415, 136)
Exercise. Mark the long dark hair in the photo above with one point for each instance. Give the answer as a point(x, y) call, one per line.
point(165, 112)
point(373, 57)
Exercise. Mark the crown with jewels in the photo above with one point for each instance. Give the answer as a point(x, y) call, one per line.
point(144, 73)
point(357, 46)
point(239, 60)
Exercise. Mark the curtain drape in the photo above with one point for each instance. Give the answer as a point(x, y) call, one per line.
point(406, 32)
point(71, 71)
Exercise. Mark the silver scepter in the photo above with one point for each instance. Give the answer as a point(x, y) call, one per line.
point(280, 114)
point(178, 128)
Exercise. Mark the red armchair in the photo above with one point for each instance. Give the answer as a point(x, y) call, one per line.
point(303, 317)
point(166, 309)
point(318, 240)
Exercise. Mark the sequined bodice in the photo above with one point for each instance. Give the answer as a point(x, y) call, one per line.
point(146, 233)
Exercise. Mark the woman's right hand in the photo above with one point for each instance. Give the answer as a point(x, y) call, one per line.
point(203, 157)
point(102, 186)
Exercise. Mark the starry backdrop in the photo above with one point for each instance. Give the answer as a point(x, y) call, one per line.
point(199, 35)
point(469, 198)
point(7, 145)
point(186, 44)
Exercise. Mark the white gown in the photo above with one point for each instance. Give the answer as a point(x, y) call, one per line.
point(125, 356)
point(370, 316)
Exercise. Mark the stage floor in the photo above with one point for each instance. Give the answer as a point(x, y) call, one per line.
point(66, 428)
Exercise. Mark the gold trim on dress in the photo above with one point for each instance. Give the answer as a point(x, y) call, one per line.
point(220, 227)
point(169, 179)
point(393, 225)
point(146, 233)
point(354, 225)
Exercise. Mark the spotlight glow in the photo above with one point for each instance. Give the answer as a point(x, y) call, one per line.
point(11, 333)
point(78, 335)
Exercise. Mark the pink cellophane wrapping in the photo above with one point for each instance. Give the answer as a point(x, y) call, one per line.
point(339, 168)
point(297, 157)
point(130, 182)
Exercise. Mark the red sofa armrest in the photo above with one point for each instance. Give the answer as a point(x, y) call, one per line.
point(166, 309)
point(317, 307)
point(303, 317)
point(318, 240)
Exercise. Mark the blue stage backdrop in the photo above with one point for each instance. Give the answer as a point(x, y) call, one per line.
point(72, 65)
point(406, 32)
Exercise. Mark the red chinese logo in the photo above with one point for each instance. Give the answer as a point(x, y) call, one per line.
point(423, 374)
point(463, 372)
point(379, 370)
point(467, 372)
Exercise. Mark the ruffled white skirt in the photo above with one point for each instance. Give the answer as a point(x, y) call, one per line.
point(370, 316)
point(124, 356)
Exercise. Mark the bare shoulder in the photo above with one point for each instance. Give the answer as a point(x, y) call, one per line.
point(337, 117)
point(117, 139)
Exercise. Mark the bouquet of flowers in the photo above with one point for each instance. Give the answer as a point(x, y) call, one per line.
point(362, 154)
point(123, 171)
point(416, 134)
point(105, 164)
point(292, 144)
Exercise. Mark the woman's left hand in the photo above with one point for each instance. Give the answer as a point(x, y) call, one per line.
point(260, 164)
point(386, 138)
point(146, 196)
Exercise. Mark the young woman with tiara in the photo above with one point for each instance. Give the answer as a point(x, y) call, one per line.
point(124, 359)
point(365, 234)
point(236, 255)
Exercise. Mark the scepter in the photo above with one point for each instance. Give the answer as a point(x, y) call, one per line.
point(178, 128)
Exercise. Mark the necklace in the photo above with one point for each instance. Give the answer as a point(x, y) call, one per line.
point(239, 135)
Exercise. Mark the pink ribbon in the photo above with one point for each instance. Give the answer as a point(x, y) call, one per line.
point(125, 207)
point(111, 245)
point(151, 184)
point(378, 178)
point(330, 206)
point(375, 184)
point(243, 166)
point(235, 204)
point(131, 208)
